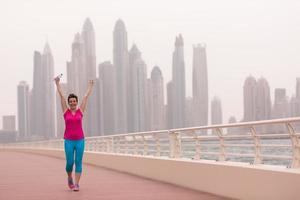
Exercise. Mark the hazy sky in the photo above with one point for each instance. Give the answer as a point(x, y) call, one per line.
point(257, 37)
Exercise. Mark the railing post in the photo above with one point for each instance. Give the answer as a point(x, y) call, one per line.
point(145, 151)
point(257, 158)
point(91, 145)
point(157, 143)
point(222, 154)
point(110, 145)
point(295, 146)
point(96, 145)
point(107, 145)
point(126, 146)
point(100, 143)
point(175, 145)
point(135, 152)
point(197, 146)
point(118, 145)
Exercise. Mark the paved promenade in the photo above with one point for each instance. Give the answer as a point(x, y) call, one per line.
point(35, 177)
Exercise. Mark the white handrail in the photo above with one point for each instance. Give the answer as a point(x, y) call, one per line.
point(258, 142)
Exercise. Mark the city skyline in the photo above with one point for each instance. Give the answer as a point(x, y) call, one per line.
point(128, 76)
point(261, 67)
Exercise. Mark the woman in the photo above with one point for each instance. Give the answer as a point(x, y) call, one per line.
point(74, 136)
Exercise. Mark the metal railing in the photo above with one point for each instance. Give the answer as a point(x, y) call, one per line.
point(274, 142)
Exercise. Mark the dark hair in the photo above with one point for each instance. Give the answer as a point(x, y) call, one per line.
point(72, 96)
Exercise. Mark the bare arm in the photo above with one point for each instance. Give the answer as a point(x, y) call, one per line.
point(63, 102)
point(87, 94)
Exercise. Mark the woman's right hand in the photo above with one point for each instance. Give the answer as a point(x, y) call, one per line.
point(57, 79)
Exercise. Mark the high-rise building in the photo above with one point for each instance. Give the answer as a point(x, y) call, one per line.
point(36, 107)
point(141, 94)
point(250, 96)
point(200, 86)
point(107, 73)
point(189, 110)
point(149, 104)
point(132, 90)
point(91, 117)
point(257, 100)
point(280, 109)
point(98, 92)
point(88, 38)
point(137, 91)
point(9, 123)
point(158, 121)
point(76, 70)
point(169, 106)
point(232, 130)
point(49, 95)
point(121, 62)
point(293, 104)
point(23, 110)
point(43, 98)
point(177, 113)
point(216, 111)
point(263, 100)
point(30, 114)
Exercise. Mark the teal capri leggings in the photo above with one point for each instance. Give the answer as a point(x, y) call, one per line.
point(74, 147)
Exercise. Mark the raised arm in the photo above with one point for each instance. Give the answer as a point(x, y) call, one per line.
point(87, 94)
point(63, 102)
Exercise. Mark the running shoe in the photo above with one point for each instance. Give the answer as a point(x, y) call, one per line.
point(70, 183)
point(76, 188)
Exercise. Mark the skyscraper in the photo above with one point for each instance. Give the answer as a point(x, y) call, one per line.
point(200, 86)
point(141, 93)
point(263, 100)
point(293, 105)
point(91, 117)
point(280, 109)
point(149, 104)
point(137, 91)
point(98, 108)
point(48, 93)
point(257, 100)
point(158, 121)
point(9, 122)
point(43, 105)
point(250, 96)
point(189, 109)
point(23, 110)
point(107, 73)
point(120, 61)
point(216, 111)
point(178, 85)
point(169, 106)
point(132, 90)
point(36, 107)
point(76, 70)
point(232, 130)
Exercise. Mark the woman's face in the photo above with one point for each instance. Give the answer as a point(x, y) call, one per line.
point(73, 103)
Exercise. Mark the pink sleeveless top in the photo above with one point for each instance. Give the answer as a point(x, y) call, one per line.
point(73, 125)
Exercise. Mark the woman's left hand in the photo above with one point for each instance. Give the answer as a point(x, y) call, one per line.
point(91, 82)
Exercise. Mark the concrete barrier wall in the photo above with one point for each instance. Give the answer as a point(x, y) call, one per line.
point(233, 180)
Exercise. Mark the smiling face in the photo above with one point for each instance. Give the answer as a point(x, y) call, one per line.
point(72, 101)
